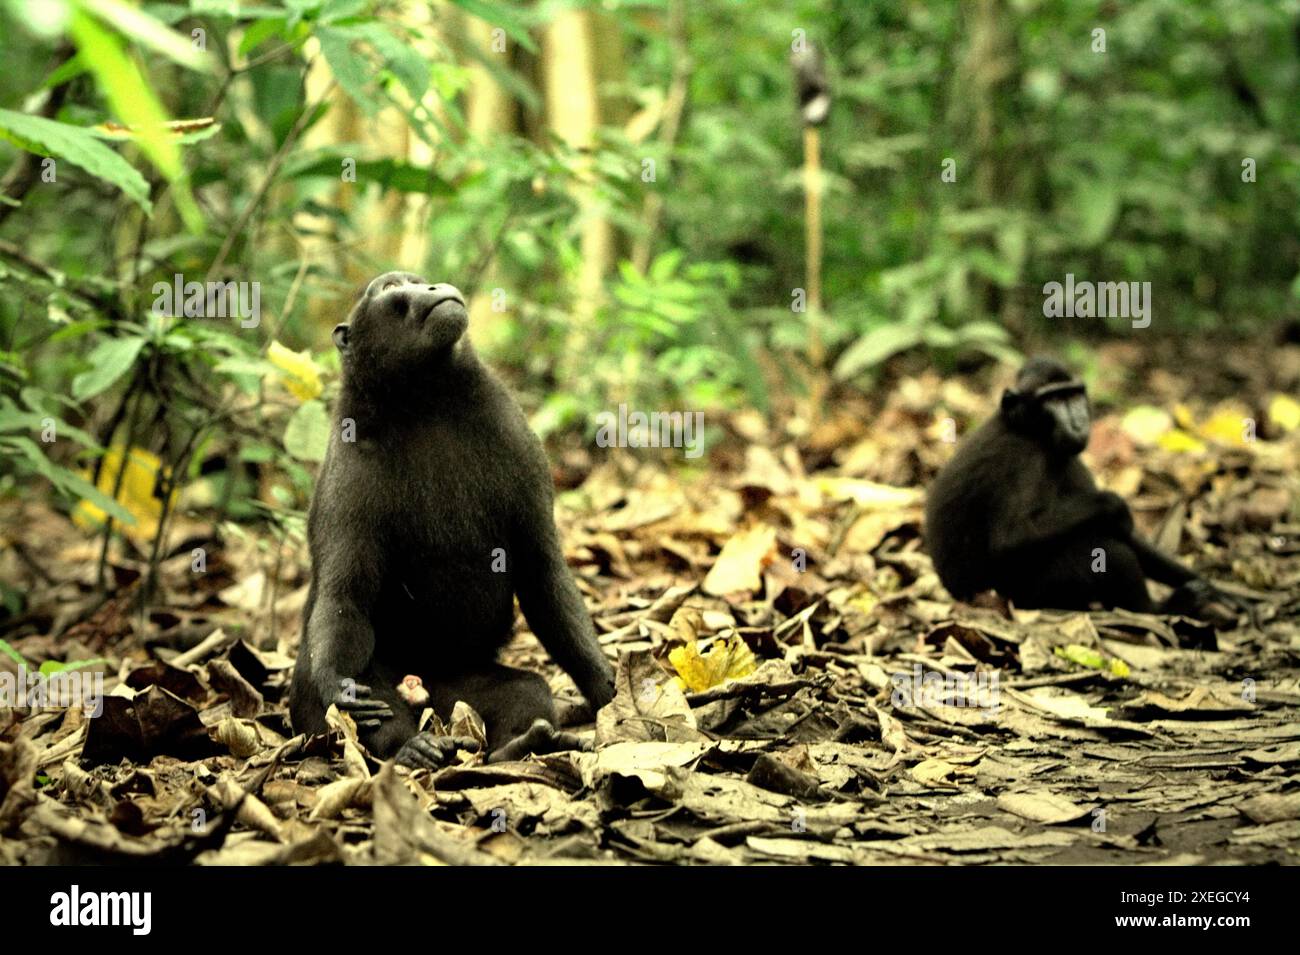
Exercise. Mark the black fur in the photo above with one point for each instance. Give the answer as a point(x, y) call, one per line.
point(1016, 511)
point(403, 527)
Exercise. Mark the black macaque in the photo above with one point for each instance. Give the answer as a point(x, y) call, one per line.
point(1017, 511)
point(433, 510)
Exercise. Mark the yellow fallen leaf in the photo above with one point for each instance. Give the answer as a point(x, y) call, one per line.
point(865, 601)
point(136, 493)
point(1147, 424)
point(868, 494)
point(740, 565)
point(1179, 440)
point(935, 772)
point(725, 660)
point(298, 372)
point(1227, 425)
point(1284, 412)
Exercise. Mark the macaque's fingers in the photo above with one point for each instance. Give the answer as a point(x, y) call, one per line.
point(427, 751)
point(421, 752)
point(366, 709)
point(571, 741)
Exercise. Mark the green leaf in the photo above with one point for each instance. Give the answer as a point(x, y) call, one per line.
point(109, 362)
point(993, 268)
point(307, 434)
point(939, 336)
point(68, 482)
point(13, 418)
point(136, 25)
point(557, 411)
point(259, 31)
point(984, 332)
point(876, 346)
point(407, 65)
point(136, 106)
point(69, 70)
point(665, 266)
point(1096, 206)
point(45, 137)
point(351, 69)
point(500, 16)
point(13, 654)
point(386, 173)
point(51, 667)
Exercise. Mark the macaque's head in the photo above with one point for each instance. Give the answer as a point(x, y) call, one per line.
point(401, 326)
point(412, 690)
point(1050, 405)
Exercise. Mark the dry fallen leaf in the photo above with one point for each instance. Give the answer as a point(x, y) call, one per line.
point(739, 567)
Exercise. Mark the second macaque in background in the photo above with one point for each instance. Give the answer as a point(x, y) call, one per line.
point(1017, 511)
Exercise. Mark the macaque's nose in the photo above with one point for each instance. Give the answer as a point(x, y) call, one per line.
point(442, 292)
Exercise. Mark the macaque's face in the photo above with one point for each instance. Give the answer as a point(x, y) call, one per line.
point(1050, 404)
point(1065, 407)
point(401, 323)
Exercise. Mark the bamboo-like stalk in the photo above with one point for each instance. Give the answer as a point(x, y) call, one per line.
point(812, 181)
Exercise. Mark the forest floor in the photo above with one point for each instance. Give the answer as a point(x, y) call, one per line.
point(794, 684)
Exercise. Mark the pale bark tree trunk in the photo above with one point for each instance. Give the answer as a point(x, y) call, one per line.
point(573, 110)
point(391, 229)
point(489, 112)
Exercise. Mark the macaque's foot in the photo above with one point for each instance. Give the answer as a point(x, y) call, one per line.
point(427, 751)
point(538, 739)
point(1199, 599)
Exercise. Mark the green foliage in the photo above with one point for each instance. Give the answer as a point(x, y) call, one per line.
point(1119, 165)
point(49, 667)
point(100, 29)
point(672, 329)
point(307, 434)
point(78, 146)
point(1116, 165)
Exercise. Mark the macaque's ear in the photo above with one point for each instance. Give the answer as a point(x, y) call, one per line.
point(341, 332)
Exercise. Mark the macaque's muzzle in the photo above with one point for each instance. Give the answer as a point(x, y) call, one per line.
point(1072, 417)
point(435, 301)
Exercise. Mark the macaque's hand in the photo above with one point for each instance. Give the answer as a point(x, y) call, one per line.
point(429, 751)
point(355, 700)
